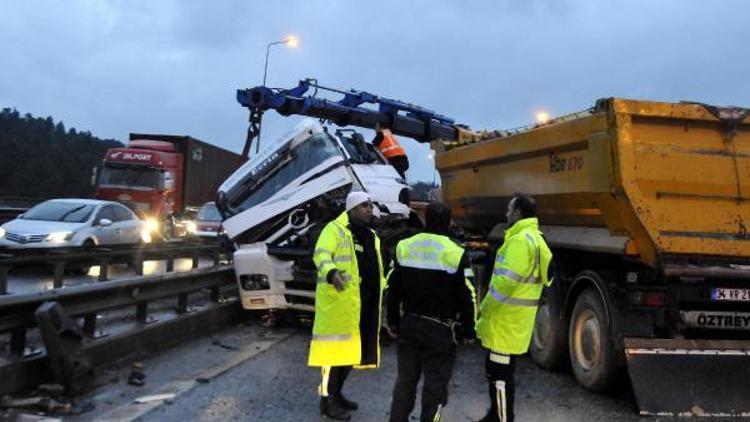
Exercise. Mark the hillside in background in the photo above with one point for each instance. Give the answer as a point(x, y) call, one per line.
point(40, 158)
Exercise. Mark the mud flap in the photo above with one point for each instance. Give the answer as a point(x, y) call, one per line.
point(679, 377)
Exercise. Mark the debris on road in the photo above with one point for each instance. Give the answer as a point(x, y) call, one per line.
point(137, 376)
point(154, 397)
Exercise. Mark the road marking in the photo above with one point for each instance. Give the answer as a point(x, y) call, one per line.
point(131, 411)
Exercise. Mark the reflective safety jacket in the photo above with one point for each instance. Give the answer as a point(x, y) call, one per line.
point(336, 336)
point(389, 146)
point(508, 310)
point(428, 279)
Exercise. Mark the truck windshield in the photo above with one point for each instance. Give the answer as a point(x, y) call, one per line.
point(68, 212)
point(130, 177)
point(301, 160)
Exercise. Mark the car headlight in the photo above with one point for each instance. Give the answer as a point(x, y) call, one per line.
point(151, 225)
point(191, 227)
point(2, 232)
point(59, 237)
point(146, 236)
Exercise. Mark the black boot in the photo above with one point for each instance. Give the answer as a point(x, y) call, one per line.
point(333, 409)
point(346, 403)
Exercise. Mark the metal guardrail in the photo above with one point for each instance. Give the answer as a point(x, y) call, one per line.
point(61, 258)
point(86, 301)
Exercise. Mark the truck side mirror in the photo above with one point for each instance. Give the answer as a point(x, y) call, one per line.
point(94, 174)
point(105, 222)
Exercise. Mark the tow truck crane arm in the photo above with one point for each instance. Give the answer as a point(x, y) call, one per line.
point(404, 119)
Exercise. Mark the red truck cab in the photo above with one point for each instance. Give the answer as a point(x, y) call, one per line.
point(143, 174)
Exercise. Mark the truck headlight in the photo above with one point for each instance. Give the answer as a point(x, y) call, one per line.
point(2, 232)
point(151, 225)
point(254, 281)
point(59, 237)
point(191, 227)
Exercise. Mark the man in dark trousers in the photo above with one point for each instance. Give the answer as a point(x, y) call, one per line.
point(428, 281)
point(347, 302)
point(508, 311)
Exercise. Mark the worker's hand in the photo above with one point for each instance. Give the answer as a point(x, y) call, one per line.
point(337, 279)
point(392, 331)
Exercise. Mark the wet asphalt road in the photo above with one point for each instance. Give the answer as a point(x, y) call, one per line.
point(275, 384)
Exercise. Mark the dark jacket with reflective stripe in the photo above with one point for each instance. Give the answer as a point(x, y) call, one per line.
point(441, 293)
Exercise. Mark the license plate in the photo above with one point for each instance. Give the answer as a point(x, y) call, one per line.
point(734, 295)
point(257, 301)
point(716, 320)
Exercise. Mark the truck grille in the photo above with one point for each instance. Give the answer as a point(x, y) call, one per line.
point(25, 238)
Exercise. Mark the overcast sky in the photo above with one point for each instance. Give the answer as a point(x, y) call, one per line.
point(114, 67)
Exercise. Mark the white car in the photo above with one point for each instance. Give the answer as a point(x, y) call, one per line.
point(73, 222)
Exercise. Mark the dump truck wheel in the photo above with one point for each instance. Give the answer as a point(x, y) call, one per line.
point(592, 354)
point(548, 342)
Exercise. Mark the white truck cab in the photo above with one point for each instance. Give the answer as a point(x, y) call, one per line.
point(276, 204)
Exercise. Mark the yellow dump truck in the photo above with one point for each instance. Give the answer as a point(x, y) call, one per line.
point(646, 206)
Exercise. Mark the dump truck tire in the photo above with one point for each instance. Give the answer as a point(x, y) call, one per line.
point(549, 342)
point(592, 353)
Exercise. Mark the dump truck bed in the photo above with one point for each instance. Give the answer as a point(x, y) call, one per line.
point(667, 178)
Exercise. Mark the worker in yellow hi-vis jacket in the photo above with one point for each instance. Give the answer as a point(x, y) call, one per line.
point(508, 310)
point(347, 302)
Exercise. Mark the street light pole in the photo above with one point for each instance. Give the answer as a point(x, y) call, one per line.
point(268, 51)
point(292, 42)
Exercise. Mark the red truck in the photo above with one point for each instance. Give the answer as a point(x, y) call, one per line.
point(163, 177)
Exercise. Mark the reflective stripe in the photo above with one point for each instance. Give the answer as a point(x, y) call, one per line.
point(510, 274)
point(427, 256)
point(468, 272)
point(437, 414)
point(512, 300)
point(332, 337)
point(497, 358)
point(321, 250)
point(325, 373)
point(342, 258)
point(501, 401)
point(427, 243)
point(426, 265)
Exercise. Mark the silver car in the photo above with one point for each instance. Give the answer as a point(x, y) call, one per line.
point(73, 222)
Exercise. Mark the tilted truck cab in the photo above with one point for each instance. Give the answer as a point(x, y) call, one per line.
point(276, 204)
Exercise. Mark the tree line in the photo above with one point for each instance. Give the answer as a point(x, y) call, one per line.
point(41, 158)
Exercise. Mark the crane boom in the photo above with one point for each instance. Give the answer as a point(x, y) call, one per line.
point(404, 119)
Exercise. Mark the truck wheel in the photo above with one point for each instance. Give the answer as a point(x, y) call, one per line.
point(592, 353)
point(548, 341)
